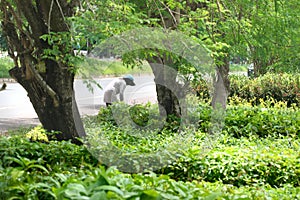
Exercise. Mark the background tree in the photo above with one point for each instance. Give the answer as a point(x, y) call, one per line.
point(273, 42)
point(265, 33)
point(39, 41)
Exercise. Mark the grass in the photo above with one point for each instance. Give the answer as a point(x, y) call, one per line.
point(92, 67)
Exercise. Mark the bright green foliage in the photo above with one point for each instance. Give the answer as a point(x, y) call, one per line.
point(97, 20)
point(61, 49)
point(139, 114)
point(264, 122)
point(274, 29)
point(240, 162)
point(29, 170)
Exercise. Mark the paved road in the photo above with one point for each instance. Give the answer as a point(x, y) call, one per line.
point(16, 109)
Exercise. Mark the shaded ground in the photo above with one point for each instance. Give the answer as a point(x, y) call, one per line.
point(9, 124)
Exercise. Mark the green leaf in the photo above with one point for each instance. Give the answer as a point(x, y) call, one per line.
point(75, 190)
point(150, 195)
point(111, 188)
point(99, 195)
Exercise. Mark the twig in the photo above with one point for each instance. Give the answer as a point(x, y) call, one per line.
point(49, 16)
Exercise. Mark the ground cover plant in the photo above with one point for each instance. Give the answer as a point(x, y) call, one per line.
point(255, 157)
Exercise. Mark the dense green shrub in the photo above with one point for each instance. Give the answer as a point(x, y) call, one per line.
point(277, 87)
point(242, 162)
point(280, 87)
point(51, 154)
point(239, 120)
point(136, 116)
point(245, 121)
point(254, 166)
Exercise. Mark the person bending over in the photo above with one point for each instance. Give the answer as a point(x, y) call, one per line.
point(116, 88)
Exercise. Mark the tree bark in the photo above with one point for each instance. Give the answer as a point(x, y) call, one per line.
point(48, 81)
point(221, 86)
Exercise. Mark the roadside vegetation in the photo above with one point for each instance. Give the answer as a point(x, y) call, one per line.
point(88, 67)
point(6, 64)
point(94, 67)
point(256, 156)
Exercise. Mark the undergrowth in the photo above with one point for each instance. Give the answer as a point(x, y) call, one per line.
point(256, 156)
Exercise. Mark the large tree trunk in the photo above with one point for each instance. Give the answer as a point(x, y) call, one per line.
point(167, 88)
point(62, 116)
point(48, 80)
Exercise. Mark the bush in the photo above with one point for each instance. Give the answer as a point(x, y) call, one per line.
point(276, 87)
point(280, 87)
point(239, 120)
point(241, 162)
point(235, 161)
point(244, 121)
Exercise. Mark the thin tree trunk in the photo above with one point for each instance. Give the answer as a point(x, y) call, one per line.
point(221, 86)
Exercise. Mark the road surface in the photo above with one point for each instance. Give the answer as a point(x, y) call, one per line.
point(16, 109)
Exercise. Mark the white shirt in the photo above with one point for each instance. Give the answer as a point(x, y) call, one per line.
point(116, 87)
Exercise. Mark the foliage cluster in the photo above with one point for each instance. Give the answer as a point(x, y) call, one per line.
point(239, 121)
point(258, 145)
point(269, 87)
point(258, 32)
